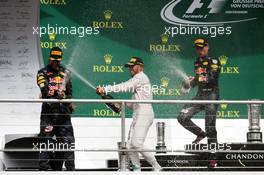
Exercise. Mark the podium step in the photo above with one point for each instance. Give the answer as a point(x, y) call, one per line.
point(228, 156)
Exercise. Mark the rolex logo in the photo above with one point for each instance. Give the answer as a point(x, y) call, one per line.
point(165, 81)
point(223, 59)
point(227, 69)
point(223, 113)
point(108, 58)
point(108, 14)
point(108, 68)
point(107, 22)
point(53, 2)
point(164, 90)
point(164, 46)
point(223, 106)
point(164, 38)
point(52, 35)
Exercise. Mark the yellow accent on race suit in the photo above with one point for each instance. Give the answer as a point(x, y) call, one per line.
point(205, 63)
point(41, 81)
point(214, 66)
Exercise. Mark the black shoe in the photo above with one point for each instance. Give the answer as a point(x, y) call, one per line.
point(199, 138)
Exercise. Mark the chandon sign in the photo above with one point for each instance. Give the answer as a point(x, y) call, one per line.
point(246, 156)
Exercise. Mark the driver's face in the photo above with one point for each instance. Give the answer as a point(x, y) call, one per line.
point(132, 70)
point(55, 64)
point(202, 51)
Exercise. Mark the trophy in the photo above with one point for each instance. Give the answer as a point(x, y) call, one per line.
point(123, 158)
point(254, 115)
point(161, 147)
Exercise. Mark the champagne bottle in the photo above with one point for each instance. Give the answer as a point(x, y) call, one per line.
point(186, 86)
point(62, 88)
point(116, 107)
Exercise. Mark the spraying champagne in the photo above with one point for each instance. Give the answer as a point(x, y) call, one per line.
point(62, 88)
point(116, 107)
point(186, 85)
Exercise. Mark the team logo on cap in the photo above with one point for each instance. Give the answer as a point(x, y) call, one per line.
point(199, 41)
point(57, 53)
point(133, 60)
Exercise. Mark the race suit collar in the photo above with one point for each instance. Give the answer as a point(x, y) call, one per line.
point(53, 70)
point(138, 73)
point(203, 58)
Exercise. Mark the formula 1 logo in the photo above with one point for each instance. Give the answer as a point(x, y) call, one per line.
point(215, 6)
point(171, 13)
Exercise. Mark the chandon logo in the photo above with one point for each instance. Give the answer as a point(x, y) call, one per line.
point(215, 6)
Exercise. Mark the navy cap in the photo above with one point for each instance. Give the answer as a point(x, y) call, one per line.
point(134, 61)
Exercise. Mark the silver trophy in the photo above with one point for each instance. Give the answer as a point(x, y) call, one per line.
point(161, 147)
point(254, 115)
point(123, 159)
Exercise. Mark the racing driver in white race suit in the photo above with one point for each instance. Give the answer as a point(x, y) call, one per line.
point(143, 114)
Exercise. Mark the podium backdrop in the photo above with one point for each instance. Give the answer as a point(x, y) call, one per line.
point(160, 32)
